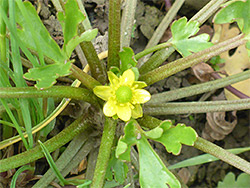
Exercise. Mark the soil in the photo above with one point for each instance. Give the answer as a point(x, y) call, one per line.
point(148, 16)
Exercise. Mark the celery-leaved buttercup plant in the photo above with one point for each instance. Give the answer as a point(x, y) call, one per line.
point(124, 100)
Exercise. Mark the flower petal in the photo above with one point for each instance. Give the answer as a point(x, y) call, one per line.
point(109, 108)
point(113, 79)
point(104, 92)
point(127, 78)
point(140, 96)
point(124, 112)
point(139, 85)
point(137, 111)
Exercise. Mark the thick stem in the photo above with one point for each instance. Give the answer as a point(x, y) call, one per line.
point(127, 23)
point(208, 10)
point(231, 88)
point(222, 154)
point(114, 33)
point(198, 89)
point(152, 49)
point(53, 92)
point(181, 64)
point(85, 79)
point(104, 153)
point(156, 60)
point(196, 107)
point(57, 141)
point(98, 70)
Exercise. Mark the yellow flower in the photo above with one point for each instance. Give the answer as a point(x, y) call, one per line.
point(124, 96)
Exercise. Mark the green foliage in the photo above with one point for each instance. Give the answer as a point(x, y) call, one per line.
point(243, 181)
point(127, 59)
point(69, 22)
point(173, 136)
point(214, 61)
point(116, 170)
point(182, 31)
point(153, 173)
point(235, 11)
point(46, 75)
point(48, 45)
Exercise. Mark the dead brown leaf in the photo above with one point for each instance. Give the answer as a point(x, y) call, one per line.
point(235, 61)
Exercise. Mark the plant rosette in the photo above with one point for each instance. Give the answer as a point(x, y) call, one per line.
point(124, 96)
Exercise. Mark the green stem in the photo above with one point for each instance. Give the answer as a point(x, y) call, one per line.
point(104, 153)
point(98, 70)
point(196, 107)
point(222, 154)
point(208, 11)
point(127, 23)
point(85, 79)
point(152, 49)
point(198, 89)
point(57, 141)
point(156, 60)
point(181, 64)
point(114, 33)
point(53, 92)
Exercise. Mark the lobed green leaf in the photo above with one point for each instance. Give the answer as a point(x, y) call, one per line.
point(173, 137)
point(182, 31)
point(46, 75)
point(243, 181)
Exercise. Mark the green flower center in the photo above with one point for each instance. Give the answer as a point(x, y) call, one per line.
point(123, 94)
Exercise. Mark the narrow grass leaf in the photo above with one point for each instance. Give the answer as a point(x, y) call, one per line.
point(205, 158)
point(18, 172)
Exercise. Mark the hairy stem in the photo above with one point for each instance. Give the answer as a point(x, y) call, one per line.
point(53, 92)
point(127, 23)
point(181, 64)
point(222, 154)
point(196, 107)
point(114, 33)
point(231, 88)
point(104, 153)
point(152, 49)
point(85, 79)
point(208, 10)
point(198, 89)
point(98, 70)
